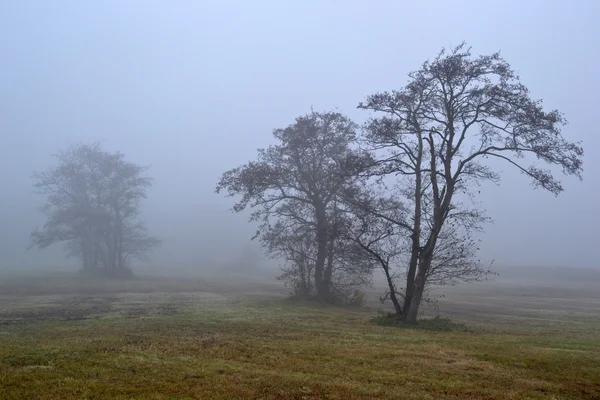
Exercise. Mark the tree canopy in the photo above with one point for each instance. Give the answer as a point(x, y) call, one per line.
point(294, 186)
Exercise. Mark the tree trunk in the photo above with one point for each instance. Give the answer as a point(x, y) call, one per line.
point(441, 202)
point(331, 237)
point(319, 267)
point(416, 234)
point(321, 286)
point(417, 296)
point(425, 260)
point(328, 273)
point(412, 269)
point(392, 287)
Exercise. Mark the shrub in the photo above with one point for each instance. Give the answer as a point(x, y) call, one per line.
point(356, 299)
point(436, 324)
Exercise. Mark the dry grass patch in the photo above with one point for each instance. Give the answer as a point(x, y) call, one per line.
point(213, 348)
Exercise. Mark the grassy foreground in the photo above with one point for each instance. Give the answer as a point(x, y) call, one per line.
point(198, 345)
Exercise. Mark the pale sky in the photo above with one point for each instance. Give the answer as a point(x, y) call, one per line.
point(193, 88)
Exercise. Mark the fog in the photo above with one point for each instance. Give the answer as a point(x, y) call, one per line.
point(194, 88)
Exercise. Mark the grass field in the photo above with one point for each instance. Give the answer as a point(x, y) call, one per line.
point(64, 337)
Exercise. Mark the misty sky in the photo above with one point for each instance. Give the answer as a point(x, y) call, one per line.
point(192, 88)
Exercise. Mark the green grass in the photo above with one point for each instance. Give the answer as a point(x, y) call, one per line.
point(160, 345)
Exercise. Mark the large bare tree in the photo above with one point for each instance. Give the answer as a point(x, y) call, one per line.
point(93, 201)
point(436, 135)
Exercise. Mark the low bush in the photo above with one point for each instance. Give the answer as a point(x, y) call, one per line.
point(436, 324)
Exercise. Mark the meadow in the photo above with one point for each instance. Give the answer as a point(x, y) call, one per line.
point(527, 335)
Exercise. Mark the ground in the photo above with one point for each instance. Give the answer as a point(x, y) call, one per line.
point(231, 337)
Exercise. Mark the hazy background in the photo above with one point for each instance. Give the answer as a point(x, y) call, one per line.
point(194, 87)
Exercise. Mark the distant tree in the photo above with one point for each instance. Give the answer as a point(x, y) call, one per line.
point(93, 201)
point(455, 113)
point(292, 190)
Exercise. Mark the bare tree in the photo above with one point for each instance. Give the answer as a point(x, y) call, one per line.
point(456, 112)
point(296, 183)
point(93, 201)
